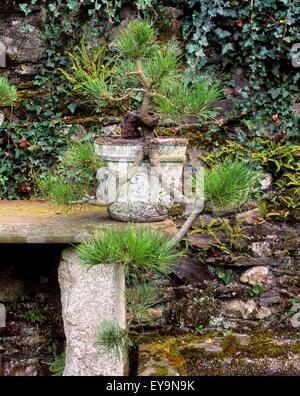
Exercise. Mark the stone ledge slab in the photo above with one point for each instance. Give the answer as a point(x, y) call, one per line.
point(39, 222)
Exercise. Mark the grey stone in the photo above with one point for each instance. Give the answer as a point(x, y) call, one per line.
point(271, 300)
point(245, 309)
point(251, 262)
point(212, 348)
point(261, 249)
point(144, 198)
point(90, 297)
point(2, 315)
point(233, 289)
point(190, 271)
point(38, 222)
point(111, 130)
point(201, 241)
point(207, 347)
point(25, 70)
point(21, 40)
point(248, 217)
point(255, 275)
point(2, 56)
point(266, 182)
point(242, 339)
point(31, 371)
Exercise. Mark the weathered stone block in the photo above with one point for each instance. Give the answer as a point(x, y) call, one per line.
point(2, 315)
point(89, 297)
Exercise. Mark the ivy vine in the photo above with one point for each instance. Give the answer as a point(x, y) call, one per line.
point(33, 142)
point(256, 37)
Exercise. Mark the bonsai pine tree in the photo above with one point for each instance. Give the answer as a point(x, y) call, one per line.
point(146, 67)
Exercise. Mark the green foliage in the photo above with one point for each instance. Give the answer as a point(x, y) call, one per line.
point(111, 337)
point(43, 114)
point(73, 180)
point(138, 40)
point(181, 98)
point(256, 290)
point(219, 228)
point(277, 157)
point(199, 329)
point(8, 93)
point(228, 184)
point(140, 299)
point(258, 42)
point(287, 200)
point(226, 276)
point(57, 367)
point(137, 250)
point(18, 301)
point(85, 64)
point(27, 149)
point(144, 64)
point(80, 156)
point(257, 39)
point(98, 90)
point(34, 316)
point(164, 63)
point(234, 232)
point(281, 160)
point(59, 191)
point(90, 73)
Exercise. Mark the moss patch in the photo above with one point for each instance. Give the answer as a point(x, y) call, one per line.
point(186, 354)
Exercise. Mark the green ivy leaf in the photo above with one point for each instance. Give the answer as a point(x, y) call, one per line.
point(72, 107)
point(275, 92)
point(52, 7)
point(222, 33)
point(227, 47)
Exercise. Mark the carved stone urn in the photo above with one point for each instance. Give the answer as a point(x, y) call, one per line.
point(139, 195)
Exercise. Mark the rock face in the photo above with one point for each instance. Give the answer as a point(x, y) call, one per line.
point(90, 297)
point(22, 41)
point(245, 310)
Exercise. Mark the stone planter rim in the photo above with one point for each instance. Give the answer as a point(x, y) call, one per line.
point(139, 142)
point(105, 149)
